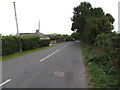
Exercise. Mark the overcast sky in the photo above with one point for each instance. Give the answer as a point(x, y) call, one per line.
point(54, 15)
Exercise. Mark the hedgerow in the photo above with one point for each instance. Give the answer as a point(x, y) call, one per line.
point(111, 44)
point(13, 44)
point(30, 42)
point(44, 42)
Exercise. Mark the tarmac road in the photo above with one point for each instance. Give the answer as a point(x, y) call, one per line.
point(60, 66)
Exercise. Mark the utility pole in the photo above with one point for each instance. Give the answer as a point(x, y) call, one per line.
point(39, 25)
point(118, 17)
point(16, 19)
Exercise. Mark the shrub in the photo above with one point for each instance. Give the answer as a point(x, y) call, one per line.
point(11, 44)
point(111, 44)
point(44, 42)
point(30, 42)
point(61, 38)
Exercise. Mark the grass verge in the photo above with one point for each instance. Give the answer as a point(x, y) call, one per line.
point(8, 57)
point(101, 74)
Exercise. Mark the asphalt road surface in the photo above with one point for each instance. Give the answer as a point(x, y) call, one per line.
point(60, 66)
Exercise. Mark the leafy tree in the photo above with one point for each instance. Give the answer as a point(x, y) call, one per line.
point(75, 35)
point(95, 26)
point(110, 18)
point(97, 12)
point(89, 22)
point(79, 19)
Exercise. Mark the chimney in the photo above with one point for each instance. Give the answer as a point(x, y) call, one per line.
point(37, 31)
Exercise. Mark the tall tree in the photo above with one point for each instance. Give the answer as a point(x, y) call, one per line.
point(89, 21)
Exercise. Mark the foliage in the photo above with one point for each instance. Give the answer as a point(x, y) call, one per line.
point(8, 57)
point(13, 44)
point(104, 74)
point(55, 37)
point(89, 22)
point(68, 38)
point(75, 35)
point(44, 42)
point(95, 26)
point(61, 38)
point(30, 42)
point(95, 31)
point(111, 44)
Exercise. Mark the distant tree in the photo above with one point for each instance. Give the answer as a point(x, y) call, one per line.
point(60, 37)
point(75, 35)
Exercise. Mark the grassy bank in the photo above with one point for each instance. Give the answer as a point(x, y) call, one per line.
point(101, 72)
point(8, 57)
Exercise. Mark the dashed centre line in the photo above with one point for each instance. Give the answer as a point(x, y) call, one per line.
point(49, 55)
point(67, 45)
point(40, 61)
point(53, 53)
point(5, 82)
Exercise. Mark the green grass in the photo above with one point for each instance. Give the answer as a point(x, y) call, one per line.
point(8, 57)
point(99, 78)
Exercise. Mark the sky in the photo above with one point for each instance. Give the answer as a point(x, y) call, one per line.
point(54, 15)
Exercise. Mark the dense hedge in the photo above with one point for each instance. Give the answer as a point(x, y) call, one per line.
point(44, 42)
point(12, 44)
point(30, 42)
point(111, 44)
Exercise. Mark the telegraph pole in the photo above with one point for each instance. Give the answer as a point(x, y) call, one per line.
point(16, 19)
point(39, 25)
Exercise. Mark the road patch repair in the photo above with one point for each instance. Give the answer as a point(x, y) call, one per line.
point(58, 74)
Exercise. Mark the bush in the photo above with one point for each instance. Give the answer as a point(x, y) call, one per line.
point(11, 44)
point(61, 38)
point(44, 42)
point(102, 72)
point(111, 44)
point(30, 42)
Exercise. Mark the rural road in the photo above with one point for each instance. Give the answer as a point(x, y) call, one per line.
point(60, 66)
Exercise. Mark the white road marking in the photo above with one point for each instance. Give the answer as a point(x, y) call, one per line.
point(49, 55)
point(5, 82)
point(67, 44)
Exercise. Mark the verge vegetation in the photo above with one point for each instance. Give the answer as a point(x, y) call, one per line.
point(100, 45)
point(102, 72)
point(8, 57)
point(13, 44)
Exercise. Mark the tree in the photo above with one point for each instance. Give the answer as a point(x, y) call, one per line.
point(75, 35)
point(80, 13)
point(95, 26)
point(89, 22)
point(110, 18)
